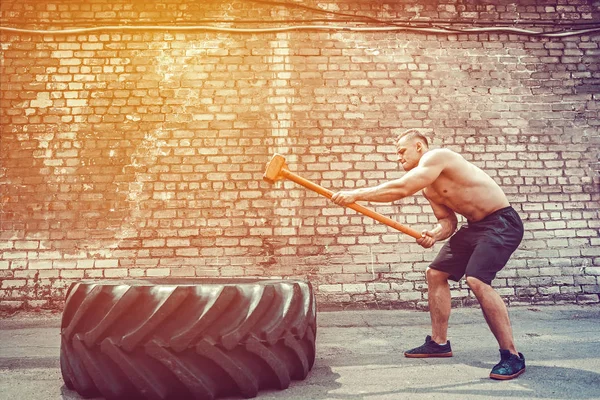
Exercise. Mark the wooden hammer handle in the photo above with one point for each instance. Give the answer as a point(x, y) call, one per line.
point(356, 207)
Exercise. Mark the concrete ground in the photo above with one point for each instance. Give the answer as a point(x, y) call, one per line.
point(359, 356)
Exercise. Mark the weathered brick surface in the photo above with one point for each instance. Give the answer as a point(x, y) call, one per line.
point(129, 154)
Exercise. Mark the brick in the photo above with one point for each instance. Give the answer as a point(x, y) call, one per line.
point(25, 273)
point(178, 242)
point(187, 252)
point(587, 298)
point(353, 287)
point(10, 255)
point(409, 296)
point(11, 304)
point(183, 271)
point(62, 54)
point(106, 263)
point(72, 274)
point(330, 288)
point(158, 272)
point(153, 243)
point(63, 264)
point(45, 264)
point(85, 264)
point(391, 297)
point(115, 273)
point(13, 283)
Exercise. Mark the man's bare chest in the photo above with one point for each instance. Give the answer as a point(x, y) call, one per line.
point(440, 191)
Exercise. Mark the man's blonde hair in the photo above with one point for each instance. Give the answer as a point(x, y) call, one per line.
point(413, 134)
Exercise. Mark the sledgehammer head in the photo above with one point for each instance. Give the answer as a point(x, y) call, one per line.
point(274, 168)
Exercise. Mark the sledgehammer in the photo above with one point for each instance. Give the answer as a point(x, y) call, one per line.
point(277, 169)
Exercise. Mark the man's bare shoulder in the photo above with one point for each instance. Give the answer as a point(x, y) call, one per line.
point(443, 156)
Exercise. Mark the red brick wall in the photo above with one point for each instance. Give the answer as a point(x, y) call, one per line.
point(129, 154)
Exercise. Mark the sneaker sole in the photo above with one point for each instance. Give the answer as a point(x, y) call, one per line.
point(433, 355)
point(506, 377)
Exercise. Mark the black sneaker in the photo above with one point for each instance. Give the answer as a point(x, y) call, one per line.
point(430, 349)
point(509, 367)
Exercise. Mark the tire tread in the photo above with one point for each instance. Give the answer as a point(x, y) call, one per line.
point(126, 341)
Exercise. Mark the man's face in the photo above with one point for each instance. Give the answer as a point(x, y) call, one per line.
point(409, 152)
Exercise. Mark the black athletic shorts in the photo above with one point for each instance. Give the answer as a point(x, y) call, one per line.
point(481, 249)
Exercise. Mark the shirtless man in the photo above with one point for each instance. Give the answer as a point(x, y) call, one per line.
point(478, 250)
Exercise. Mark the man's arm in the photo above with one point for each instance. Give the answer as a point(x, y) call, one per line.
point(445, 228)
point(428, 170)
point(447, 221)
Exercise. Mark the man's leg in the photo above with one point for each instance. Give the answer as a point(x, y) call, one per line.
point(495, 313)
point(436, 345)
point(439, 304)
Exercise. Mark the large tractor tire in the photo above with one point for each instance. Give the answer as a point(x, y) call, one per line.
point(188, 339)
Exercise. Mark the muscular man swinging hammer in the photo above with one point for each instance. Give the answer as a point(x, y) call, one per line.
point(478, 250)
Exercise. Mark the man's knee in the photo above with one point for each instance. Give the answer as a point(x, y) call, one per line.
point(434, 276)
point(476, 284)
